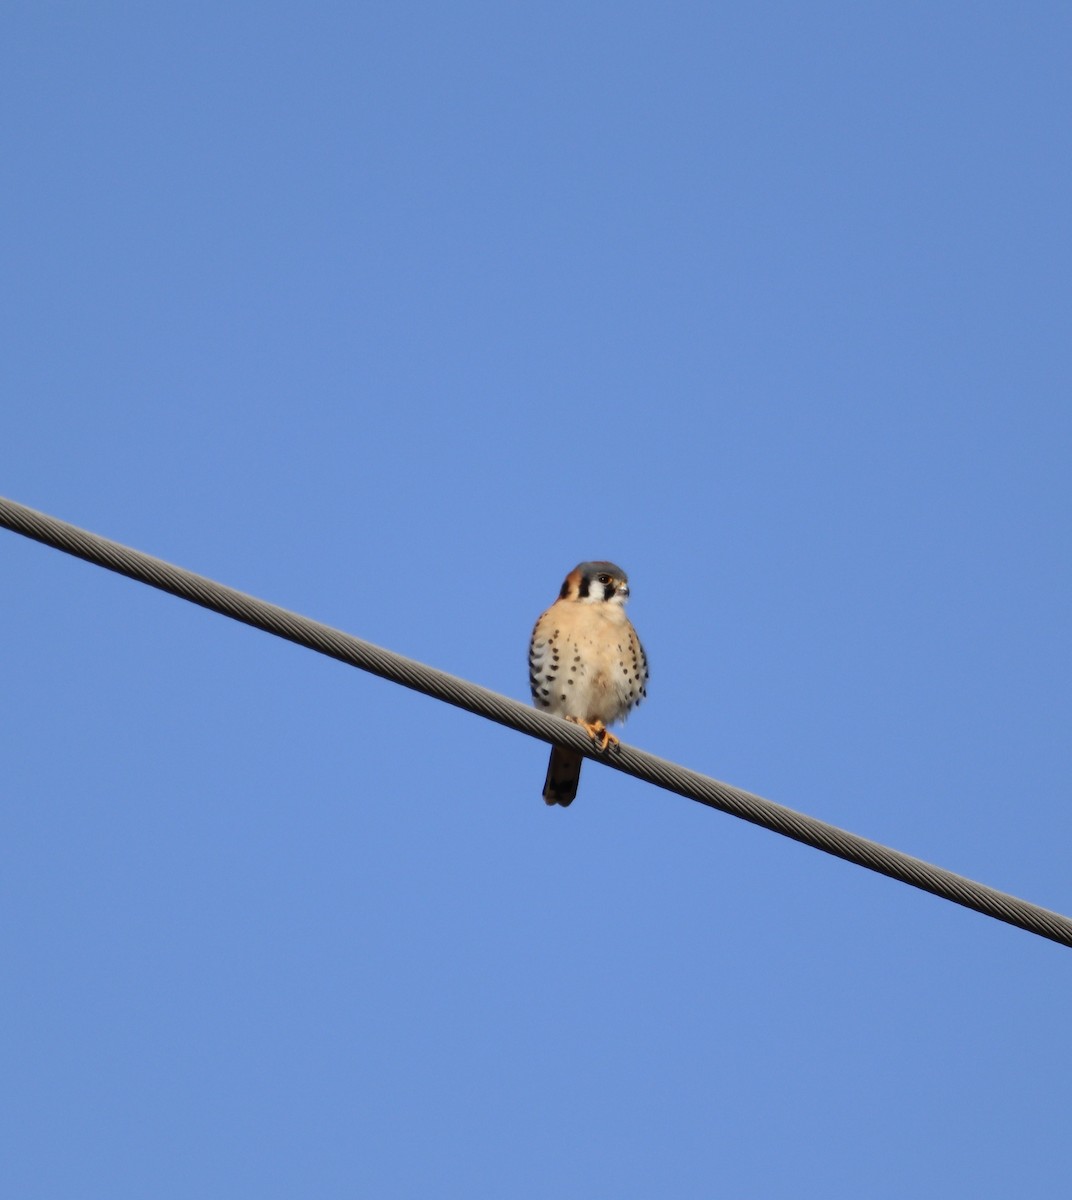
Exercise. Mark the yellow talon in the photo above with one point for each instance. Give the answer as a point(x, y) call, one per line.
point(598, 732)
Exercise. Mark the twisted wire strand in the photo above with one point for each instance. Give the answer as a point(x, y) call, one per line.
point(485, 703)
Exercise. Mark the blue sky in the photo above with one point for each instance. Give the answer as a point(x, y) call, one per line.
point(391, 314)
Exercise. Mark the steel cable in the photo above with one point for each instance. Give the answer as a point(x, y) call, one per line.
point(485, 703)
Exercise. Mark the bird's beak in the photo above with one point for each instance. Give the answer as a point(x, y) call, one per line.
point(623, 587)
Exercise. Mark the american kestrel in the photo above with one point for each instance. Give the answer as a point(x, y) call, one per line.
point(586, 664)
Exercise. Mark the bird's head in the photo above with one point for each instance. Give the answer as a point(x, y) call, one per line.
point(596, 583)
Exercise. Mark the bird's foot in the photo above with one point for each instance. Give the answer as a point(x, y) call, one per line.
point(599, 734)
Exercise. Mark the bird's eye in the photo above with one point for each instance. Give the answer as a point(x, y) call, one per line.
point(604, 579)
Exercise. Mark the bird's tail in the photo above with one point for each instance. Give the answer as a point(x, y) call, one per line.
point(563, 775)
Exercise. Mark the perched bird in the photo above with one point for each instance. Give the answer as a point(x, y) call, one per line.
point(586, 664)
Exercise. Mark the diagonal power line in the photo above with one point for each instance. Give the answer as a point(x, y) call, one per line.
point(438, 684)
